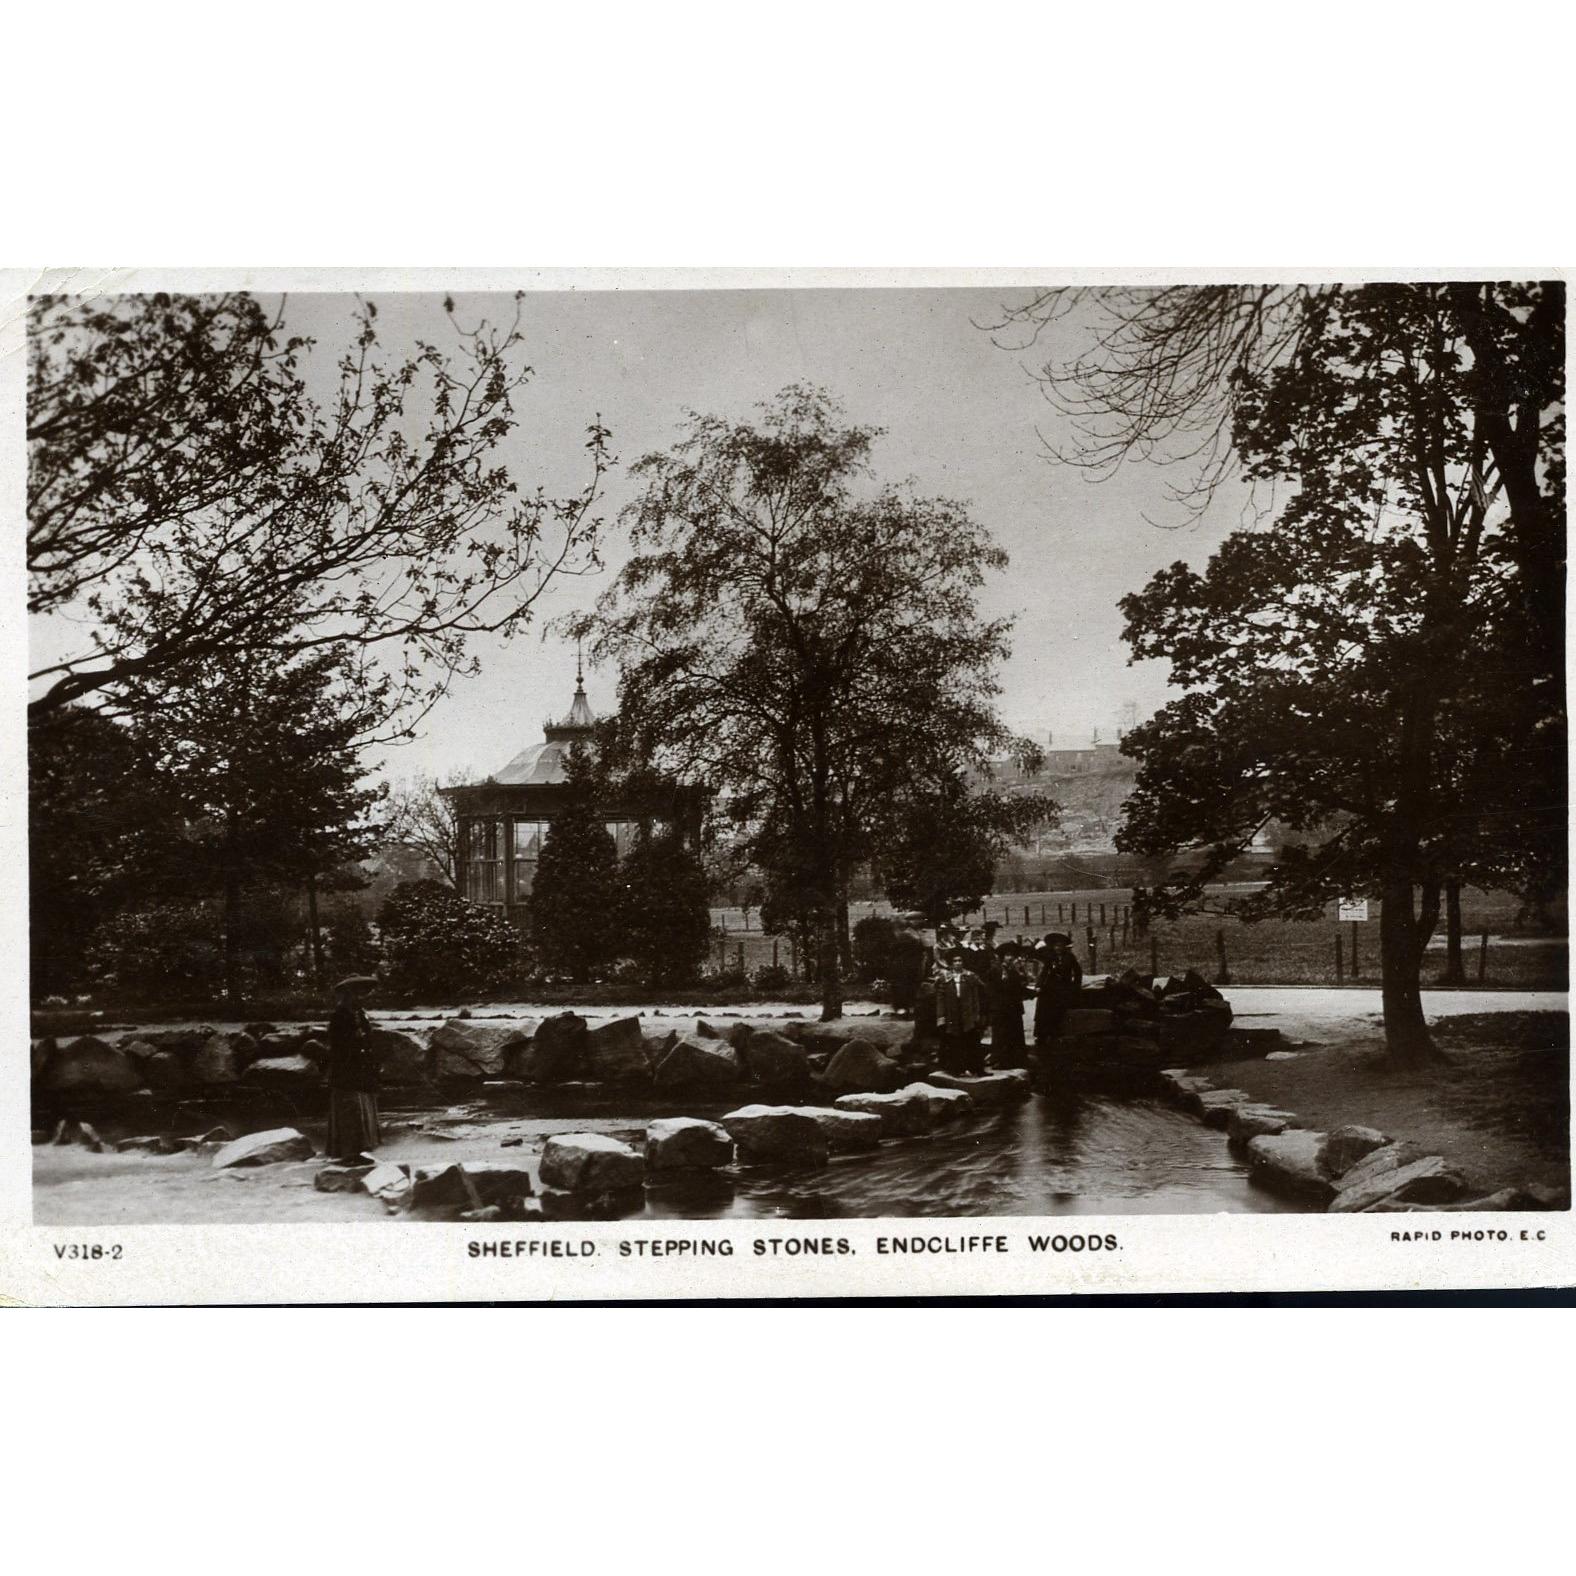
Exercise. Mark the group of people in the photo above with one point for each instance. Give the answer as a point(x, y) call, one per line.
point(976, 985)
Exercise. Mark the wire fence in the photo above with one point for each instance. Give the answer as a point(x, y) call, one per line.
point(1500, 947)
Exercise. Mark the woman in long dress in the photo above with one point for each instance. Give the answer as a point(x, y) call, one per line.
point(1061, 980)
point(352, 1074)
point(1009, 990)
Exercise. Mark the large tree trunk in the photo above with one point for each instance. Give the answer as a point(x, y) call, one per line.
point(1455, 970)
point(1406, 1036)
point(831, 969)
point(232, 950)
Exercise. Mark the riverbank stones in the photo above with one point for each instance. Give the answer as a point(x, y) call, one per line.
point(903, 1113)
point(264, 1149)
point(89, 1065)
point(686, 1143)
point(694, 1063)
point(1247, 1122)
point(857, 1066)
point(773, 1059)
point(781, 1133)
point(986, 1089)
point(590, 1163)
point(615, 1052)
point(1289, 1163)
point(944, 1105)
point(1347, 1145)
point(1429, 1180)
point(846, 1131)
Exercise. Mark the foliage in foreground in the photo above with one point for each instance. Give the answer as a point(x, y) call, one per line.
point(436, 943)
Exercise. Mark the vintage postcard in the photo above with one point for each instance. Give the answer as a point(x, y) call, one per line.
point(618, 785)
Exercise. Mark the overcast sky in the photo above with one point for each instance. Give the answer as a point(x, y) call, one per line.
point(961, 416)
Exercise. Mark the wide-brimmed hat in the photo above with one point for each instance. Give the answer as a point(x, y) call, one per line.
point(357, 982)
point(1058, 935)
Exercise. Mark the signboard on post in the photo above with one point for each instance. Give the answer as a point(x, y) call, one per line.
point(1352, 908)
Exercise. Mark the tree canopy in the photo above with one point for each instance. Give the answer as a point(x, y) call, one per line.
point(801, 637)
point(189, 498)
point(1370, 667)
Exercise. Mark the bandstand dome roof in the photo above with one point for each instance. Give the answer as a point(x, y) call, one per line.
point(547, 761)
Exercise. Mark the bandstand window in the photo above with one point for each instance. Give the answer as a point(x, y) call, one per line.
point(528, 837)
point(484, 867)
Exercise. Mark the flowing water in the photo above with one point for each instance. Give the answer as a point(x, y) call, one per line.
point(1059, 1153)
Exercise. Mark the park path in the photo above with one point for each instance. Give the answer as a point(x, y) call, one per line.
point(1314, 1012)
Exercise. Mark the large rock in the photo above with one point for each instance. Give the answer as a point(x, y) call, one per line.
point(402, 1059)
point(1087, 1020)
point(184, 1041)
point(1247, 1122)
point(42, 1050)
point(944, 1105)
point(265, 1149)
point(1347, 1145)
point(777, 1133)
point(590, 1163)
point(986, 1089)
point(695, 1064)
point(495, 1181)
point(616, 1052)
point(463, 1048)
point(90, 1066)
point(846, 1131)
point(443, 1187)
point(1216, 1105)
point(902, 1114)
point(859, 1066)
point(686, 1143)
point(1182, 1085)
point(1289, 1163)
point(556, 1052)
point(214, 1062)
point(774, 1059)
point(342, 1178)
point(1426, 1181)
point(1194, 1035)
point(283, 1072)
point(1376, 1164)
point(390, 1183)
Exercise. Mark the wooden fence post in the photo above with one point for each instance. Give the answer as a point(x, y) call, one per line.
point(1224, 976)
point(1483, 957)
point(1357, 973)
point(1340, 971)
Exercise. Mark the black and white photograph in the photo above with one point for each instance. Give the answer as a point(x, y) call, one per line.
point(570, 762)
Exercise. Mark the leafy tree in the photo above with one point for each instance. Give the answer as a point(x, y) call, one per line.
point(418, 813)
point(873, 938)
point(1367, 671)
point(263, 761)
point(938, 844)
point(663, 913)
point(436, 943)
point(99, 823)
point(190, 501)
point(161, 951)
point(802, 639)
point(574, 896)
